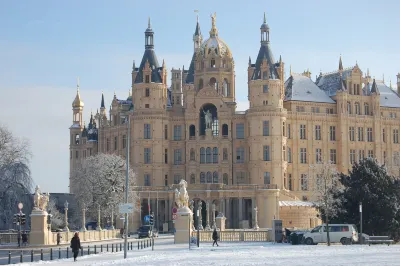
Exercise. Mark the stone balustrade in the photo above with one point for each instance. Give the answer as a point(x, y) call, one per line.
point(191, 187)
point(90, 235)
point(235, 235)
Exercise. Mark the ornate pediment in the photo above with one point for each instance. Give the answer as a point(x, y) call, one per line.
point(208, 92)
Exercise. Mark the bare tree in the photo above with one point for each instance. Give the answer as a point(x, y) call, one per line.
point(327, 184)
point(100, 181)
point(57, 218)
point(15, 175)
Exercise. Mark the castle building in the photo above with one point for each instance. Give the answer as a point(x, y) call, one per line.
point(235, 161)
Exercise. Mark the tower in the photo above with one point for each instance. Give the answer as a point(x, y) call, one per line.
point(267, 139)
point(149, 87)
point(176, 87)
point(214, 65)
point(75, 132)
point(398, 83)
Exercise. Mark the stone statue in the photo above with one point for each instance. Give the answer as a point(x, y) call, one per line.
point(181, 196)
point(213, 18)
point(40, 200)
point(208, 118)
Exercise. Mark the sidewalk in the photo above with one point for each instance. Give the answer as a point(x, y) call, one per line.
point(14, 247)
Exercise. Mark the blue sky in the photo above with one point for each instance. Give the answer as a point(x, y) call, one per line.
point(45, 45)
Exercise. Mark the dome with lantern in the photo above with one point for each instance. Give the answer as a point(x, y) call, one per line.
point(215, 45)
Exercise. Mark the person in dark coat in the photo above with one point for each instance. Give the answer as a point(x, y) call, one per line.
point(24, 239)
point(58, 238)
point(75, 245)
point(215, 236)
point(121, 232)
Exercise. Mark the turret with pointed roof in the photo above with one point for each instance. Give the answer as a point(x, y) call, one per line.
point(197, 40)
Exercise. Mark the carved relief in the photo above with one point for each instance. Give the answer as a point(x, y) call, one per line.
point(207, 92)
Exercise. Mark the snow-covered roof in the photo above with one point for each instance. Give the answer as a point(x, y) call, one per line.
point(76, 126)
point(302, 88)
point(330, 82)
point(388, 97)
point(296, 203)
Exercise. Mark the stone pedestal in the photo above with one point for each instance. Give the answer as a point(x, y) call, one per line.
point(208, 133)
point(39, 234)
point(220, 222)
point(183, 226)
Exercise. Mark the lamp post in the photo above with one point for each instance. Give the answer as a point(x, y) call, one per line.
point(360, 238)
point(98, 218)
point(83, 229)
point(66, 215)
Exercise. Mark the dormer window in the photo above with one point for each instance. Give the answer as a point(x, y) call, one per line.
point(147, 79)
point(213, 63)
point(147, 92)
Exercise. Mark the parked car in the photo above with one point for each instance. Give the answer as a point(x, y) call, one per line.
point(338, 233)
point(144, 231)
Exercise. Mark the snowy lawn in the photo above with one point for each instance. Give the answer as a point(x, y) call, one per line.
point(243, 253)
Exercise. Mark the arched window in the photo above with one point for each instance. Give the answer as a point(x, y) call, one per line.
point(213, 82)
point(208, 155)
point(202, 155)
point(192, 179)
point(200, 86)
point(147, 92)
point(215, 177)
point(192, 155)
point(192, 131)
point(357, 108)
point(225, 179)
point(366, 109)
point(209, 177)
point(349, 107)
point(226, 88)
point(224, 130)
point(77, 139)
point(215, 155)
point(202, 178)
point(212, 64)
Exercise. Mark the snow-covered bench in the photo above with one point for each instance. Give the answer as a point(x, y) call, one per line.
point(379, 240)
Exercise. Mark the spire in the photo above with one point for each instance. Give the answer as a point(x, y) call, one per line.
point(197, 32)
point(102, 100)
point(280, 59)
point(214, 30)
point(197, 37)
point(340, 64)
point(249, 61)
point(264, 31)
point(265, 18)
point(78, 101)
point(149, 35)
point(133, 66)
point(383, 78)
point(374, 88)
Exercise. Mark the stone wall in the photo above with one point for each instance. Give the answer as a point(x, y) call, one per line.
point(300, 217)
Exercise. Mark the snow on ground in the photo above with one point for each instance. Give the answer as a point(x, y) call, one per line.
point(245, 253)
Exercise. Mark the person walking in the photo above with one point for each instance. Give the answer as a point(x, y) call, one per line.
point(215, 237)
point(58, 238)
point(24, 238)
point(75, 245)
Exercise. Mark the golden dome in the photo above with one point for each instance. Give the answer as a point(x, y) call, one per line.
point(214, 44)
point(78, 101)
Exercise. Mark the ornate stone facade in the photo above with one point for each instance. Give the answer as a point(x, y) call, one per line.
point(238, 161)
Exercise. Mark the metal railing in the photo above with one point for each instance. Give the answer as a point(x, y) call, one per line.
point(235, 236)
point(48, 254)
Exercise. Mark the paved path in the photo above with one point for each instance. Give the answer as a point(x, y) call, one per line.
point(63, 251)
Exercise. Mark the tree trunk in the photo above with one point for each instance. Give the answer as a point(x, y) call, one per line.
point(327, 231)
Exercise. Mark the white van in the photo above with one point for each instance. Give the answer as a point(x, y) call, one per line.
point(338, 233)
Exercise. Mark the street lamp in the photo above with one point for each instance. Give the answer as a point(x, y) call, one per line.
point(66, 215)
point(83, 229)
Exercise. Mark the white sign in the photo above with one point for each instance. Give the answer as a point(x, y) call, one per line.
point(360, 208)
point(20, 206)
point(174, 216)
point(126, 208)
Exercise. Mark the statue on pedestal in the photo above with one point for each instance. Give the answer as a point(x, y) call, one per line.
point(181, 196)
point(40, 200)
point(208, 118)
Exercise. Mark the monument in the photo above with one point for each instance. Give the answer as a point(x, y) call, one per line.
point(183, 222)
point(39, 232)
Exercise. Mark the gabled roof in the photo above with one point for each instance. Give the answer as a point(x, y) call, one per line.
point(302, 88)
point(331, 82)
point(388, 97)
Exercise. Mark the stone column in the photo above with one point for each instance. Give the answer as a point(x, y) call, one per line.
point(208, 216)
point(200, 225)
point(255, 227)
point(221, 206)
point(191, 209)
point(83, 229)
point(240, 211)
point(253, 205)
point(228, 212)
point(213, 216)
